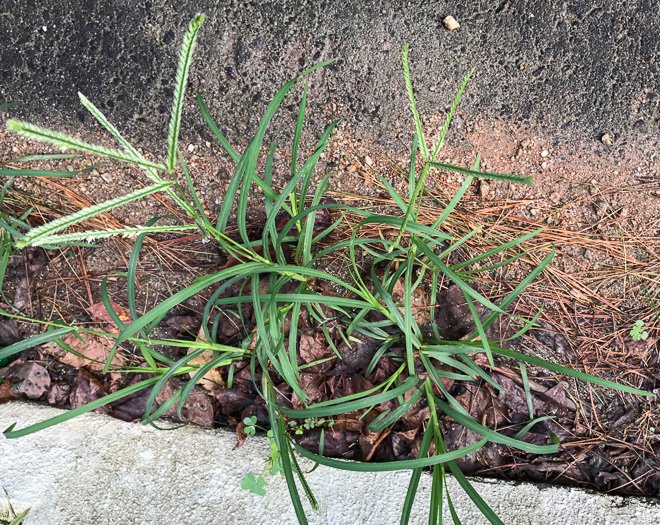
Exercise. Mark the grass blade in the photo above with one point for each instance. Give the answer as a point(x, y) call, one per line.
point(389, 466)
point(516, 291)
point(416, 476)
point(35, 340)
point(480, 328)
point(214, 129)
point(456, 198)
point(445, 127)
point(10, 433)
point(343, 405)
point(474, 495)
point(249, 158)
point(506, 177)
point(456, 279)
point(284, 448)
point(8, 172)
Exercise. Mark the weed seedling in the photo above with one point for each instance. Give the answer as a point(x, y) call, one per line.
point(256, 484)
point(272, 347)
point(636, 333)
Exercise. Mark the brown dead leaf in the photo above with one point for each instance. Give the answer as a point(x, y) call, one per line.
point(310, 349)
point(638, 349)
point(369, 441)
point(553, 401)
point(360, 352)
point(85, 389)
point(490, 454)
point(483, 405)
point(59, 394)
point(233, 402)
point(28, 378)
point(403, 444)
point(314, 385)
point(95, 348)
point(8, 332)
point(6, 393)
point(184, 324)
point(99, 312)
point(557, 396)
point(211, 381)
point(197, 409)
point(420, 301)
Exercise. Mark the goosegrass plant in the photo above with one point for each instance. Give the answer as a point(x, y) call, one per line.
point(280, 284)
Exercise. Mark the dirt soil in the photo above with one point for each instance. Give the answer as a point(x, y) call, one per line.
point(600, 205)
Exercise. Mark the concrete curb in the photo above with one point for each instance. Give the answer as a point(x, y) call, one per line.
point(98, 470)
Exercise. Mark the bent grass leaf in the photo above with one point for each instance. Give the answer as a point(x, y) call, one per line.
point(390, 466)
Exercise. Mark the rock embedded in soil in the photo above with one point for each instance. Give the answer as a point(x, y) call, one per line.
point(451, 23)
point(607, 139)
point(484, 188)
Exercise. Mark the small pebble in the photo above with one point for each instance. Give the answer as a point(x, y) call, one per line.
point(544, 153)
point(555, 197)
point(107, 177)
point(44, 28)
point(607, 139)
point(484, 188)
point(208, 144)
point(369, 161)
point(191, 148)
point(451, 23)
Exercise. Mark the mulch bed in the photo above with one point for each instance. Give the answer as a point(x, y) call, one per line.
point(606, 448)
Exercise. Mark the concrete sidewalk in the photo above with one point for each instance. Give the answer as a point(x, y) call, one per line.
point(98, 470)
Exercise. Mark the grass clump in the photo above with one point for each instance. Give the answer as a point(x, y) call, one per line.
point(281, 284)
